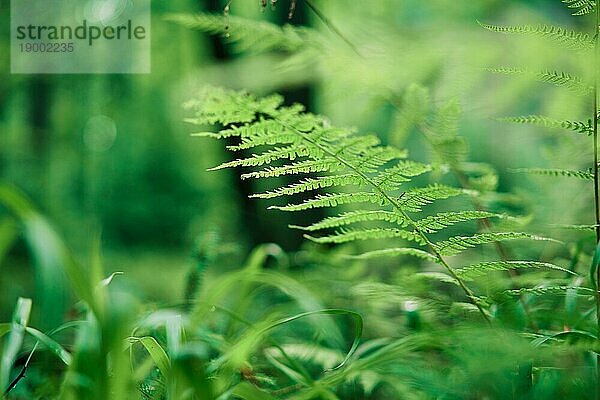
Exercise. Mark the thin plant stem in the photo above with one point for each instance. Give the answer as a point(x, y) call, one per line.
point(331, 25)
point(597, 183)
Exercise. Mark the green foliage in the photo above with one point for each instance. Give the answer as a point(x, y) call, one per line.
point(558, 78)
point(565, 37)
point(556, 172)
point(372, 173)
point(581, 7)
point(247, 35)
point(430, 279)
point(540, 120)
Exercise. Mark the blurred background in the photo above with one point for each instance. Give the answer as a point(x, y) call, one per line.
point(111, 153)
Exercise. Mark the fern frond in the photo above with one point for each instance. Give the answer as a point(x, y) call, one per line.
point(457, 244)
point(333, 200)
point(344, 236)
point(448, 147)
point(228, 107)
point(394, 176)
point(542, 290)
point(414, 199)
point(555, 172)
point(581, 7)
point(480, 269)
point(279, 153)
point(437, 276)
point(586, 128)
point(313, 184)
point(301, 167)
point(570, 38)
point(354, 217)
point(246, 34)
point(439, 221)
point(591, 228)
point(565, 79)
point(395, 252)
point(557, 78)
point(341, 158)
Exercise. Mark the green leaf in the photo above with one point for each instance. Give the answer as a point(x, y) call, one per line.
point(395, 252)
point(585, 128)
point(557, 78)
point(14, 341)
point(456, 245)
point(581, 7)
point(156, 352)
point(309, 184)
point(569, 38)
point(555, 172)
point(414, 199)
point(51, 344)
point(434, 223)
point(552, 290)
point(353, 217)
point(349, 235)
point(333, 200)
point(358, 327)
point(480, 269)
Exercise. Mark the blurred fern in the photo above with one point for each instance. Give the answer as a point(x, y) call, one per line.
point(249, 35)
point(568, 39)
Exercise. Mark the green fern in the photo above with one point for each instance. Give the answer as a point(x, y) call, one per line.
point(557, 78)
point(248, 35)
point(556, 172)
point(434, 223)
point(458, 244)
point(555, 290)
point(584, 228)
point(475, 270)
point(585, 128)
point(448, 147)
point(395, 252)
point(358, 170)
point(354, 217)
point(581, 7)
point(569, 38)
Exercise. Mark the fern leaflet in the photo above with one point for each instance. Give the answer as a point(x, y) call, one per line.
point(585, 128)
point(581, 7)
point(476, 270)
point(457, 244)
point(556, 172)
point(557, 78)
point(569, 38)
point(395, 252)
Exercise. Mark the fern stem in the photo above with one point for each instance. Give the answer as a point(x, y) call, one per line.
point(597, 183)
point(331, 25)
point(468, 292)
